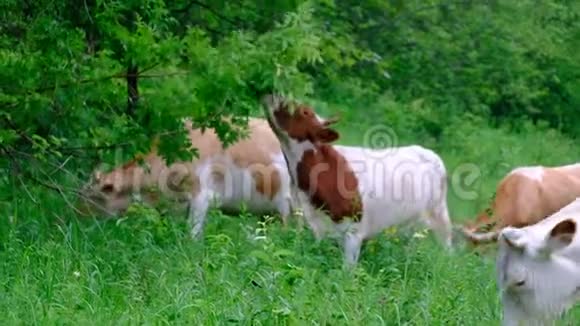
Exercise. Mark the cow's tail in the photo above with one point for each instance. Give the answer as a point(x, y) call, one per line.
point(480, 237)
point(487, 221)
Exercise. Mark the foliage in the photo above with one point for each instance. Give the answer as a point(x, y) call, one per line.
point(102, 75)
point(490, 84)
point(499, 59)
point(74, 63)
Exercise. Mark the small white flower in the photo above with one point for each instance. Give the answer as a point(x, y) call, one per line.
point(77, 274)
point(420, 234)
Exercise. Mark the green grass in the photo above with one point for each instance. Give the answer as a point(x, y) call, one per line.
point(143, 269)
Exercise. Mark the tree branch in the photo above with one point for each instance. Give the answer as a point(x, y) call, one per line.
point(132, 78)
point(233, 22)
point(100, 79)
point(22, 173)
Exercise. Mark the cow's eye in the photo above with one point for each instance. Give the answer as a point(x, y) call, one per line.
point(520, 283)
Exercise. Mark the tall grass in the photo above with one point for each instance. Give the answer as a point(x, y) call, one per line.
point(143, 268)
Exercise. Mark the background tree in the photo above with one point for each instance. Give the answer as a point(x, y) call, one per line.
point(90, 81)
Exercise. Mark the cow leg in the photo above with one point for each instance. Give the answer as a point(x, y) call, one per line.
point(284, 209)
point(294, 203)
point(198, 207)
point(293, 207)
point(311, 216)
point(441, 224)
point(352, 248)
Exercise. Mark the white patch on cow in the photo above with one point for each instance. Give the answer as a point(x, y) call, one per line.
point(295, 151)
point(239, 187)
point(533, 172)
point(392, 183)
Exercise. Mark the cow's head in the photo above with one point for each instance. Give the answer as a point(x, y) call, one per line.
point(532, 274)
point(109, 192)
point(297, 123)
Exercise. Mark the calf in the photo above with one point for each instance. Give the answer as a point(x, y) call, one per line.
point(538, 268)
point(524, 197)
point(361, 190)
point(251, 171)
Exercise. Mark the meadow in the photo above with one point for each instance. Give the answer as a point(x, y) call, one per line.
point(489, 85)
point(144, 269)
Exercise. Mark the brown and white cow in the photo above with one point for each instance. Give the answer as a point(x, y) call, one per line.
point(525, 196)
point(252, 172)
point(362, 190)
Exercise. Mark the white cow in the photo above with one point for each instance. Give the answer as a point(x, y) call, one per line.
point(362, 191)
point(538, 268)
point(250, 172)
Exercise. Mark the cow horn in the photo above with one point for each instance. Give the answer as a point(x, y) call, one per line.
point(513, 237)
point(332, 120)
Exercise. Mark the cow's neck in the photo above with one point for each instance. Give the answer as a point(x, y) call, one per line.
point(293, 153)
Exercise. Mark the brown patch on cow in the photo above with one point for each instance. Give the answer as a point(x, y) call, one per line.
point(180, 179)
point(303, 124)
point(323, 173)
point(521, 201)
point(332, 185)
point(483, 223)
point(258, 147)
point(267, 179)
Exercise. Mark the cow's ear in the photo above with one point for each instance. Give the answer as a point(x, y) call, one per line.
point(326, 135)
point(561, 235)
point(97, 175)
